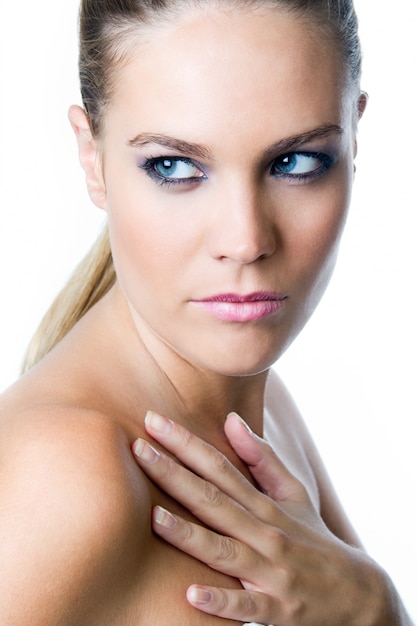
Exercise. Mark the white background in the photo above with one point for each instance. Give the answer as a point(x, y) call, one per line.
point(352, 371)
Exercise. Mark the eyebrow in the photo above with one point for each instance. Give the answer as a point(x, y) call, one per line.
point(144, 139)
point(282, 146)
point(292, 143)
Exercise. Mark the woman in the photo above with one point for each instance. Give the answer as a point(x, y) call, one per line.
point(219, 137)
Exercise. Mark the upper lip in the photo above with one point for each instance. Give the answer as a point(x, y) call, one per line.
point(256, 296)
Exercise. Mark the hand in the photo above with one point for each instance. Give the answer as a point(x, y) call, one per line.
point(293, 570)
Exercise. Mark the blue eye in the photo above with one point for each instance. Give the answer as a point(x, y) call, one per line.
point(300, 165)
point(173, 170)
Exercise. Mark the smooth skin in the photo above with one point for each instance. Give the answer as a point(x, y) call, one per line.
point(270, 536)
point(257, 208)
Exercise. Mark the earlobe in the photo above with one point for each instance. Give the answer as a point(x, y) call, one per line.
point(89, 155)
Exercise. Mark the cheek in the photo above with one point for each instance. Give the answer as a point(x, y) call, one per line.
point(139, 250)
point(151, 247)
point(316, 240)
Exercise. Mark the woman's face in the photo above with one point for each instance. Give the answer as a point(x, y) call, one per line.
point(227, 158)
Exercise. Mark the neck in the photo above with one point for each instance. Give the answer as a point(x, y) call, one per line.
point(156, 378)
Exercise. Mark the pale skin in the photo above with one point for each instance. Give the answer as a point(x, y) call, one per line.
point(83, 544)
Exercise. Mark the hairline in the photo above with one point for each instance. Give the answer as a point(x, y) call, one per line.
point(129, 35)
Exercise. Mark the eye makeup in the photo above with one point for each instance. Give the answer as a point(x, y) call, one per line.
point(294, 167)
point(173, 170)
point(303, 166)
point(300, 159)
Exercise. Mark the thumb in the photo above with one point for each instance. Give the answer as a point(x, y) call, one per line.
point(270, 473)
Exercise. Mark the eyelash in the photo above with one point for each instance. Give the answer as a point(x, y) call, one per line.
point(149, 166)
point(326, 162)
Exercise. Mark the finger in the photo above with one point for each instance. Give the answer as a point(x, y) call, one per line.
point(267, 469)
point(211, 464)
point(203, 499)
point(247, 606)
point(203, 459)
point(221, 553)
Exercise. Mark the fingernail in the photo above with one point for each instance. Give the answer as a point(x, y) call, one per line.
point(158, 423)
point(164, 518)
point(145, 452)
point(239, 419)
point(199, 595)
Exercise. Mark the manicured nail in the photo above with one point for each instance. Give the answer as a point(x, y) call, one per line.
point(158, 423)
point(239, 419)
point(164, 518)
point(199, 595)
point(145, 452)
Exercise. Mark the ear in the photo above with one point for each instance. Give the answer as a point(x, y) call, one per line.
point(362, 103)
point(361, 106)
point(89, 155)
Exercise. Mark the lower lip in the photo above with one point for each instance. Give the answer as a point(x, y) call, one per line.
point(240, 311)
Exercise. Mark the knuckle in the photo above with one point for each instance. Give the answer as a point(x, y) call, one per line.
point(248, 605)
point(288, 580)
point(293, 611)
point(211, 495)
point(223, 601)
point(219, 461)
point(269, 605)
point(267, 508)
point(291, 606)
point(226, 551)
point(171, 468)
point(278, 539)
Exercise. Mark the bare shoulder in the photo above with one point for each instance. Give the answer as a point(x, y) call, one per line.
point(285, 425)
point(282, 406)
point(73, 517)
point(283, 418)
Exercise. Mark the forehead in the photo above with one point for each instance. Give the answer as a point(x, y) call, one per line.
point(225, 72)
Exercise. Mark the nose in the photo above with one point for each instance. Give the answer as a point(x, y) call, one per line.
point(243, 228)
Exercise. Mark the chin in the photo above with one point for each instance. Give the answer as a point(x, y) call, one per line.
point(239, 364)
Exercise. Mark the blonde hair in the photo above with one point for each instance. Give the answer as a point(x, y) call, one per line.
point(105, 28)
point(90, 281)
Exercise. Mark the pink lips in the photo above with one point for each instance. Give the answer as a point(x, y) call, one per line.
point(232, 307)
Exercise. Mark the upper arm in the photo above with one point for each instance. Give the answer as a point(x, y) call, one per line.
point(70, 524)
point(331, 509)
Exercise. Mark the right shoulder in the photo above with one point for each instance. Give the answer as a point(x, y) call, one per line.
point(74, 517)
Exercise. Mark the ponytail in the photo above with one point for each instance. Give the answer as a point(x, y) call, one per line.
point(90, 281)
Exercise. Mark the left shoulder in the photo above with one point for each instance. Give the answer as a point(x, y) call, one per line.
point(282, 408)
point(287, 433)
point(283, 416)
point(284, 423)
